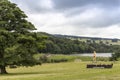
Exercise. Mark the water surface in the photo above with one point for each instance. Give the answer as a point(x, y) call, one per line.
point(97, 54)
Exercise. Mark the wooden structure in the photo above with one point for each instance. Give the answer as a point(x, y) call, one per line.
point(99, 66)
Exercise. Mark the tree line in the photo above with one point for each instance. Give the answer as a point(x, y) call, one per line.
point(58, 45)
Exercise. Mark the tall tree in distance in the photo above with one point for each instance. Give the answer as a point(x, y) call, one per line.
point(17, 42)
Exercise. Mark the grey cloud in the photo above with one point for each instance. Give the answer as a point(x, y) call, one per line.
point(72, 8)
point(75, 7)
point(33, 6)
point(66, 4)
point(104, 19)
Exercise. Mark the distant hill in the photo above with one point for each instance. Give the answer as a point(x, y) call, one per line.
point(67, 44)
point(108, 41)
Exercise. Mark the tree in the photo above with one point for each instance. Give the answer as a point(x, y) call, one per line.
point(17, 42)
point(115, 56)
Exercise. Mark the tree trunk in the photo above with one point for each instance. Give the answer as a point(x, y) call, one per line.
point(2, 67)
point(3, 70)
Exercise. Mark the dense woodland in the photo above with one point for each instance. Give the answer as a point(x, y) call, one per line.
point(59, 45)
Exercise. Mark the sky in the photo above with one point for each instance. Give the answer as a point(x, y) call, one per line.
point(91, 18)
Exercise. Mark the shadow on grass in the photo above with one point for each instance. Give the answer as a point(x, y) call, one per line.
point(28, 73)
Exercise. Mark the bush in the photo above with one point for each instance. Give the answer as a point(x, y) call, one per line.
point(115, 56)
point(42, 58)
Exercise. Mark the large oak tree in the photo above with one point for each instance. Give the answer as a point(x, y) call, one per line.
point(17, 42)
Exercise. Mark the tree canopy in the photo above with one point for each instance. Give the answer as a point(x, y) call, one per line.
point(17, 42)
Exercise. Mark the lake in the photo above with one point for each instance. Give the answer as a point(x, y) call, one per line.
point(97, 54)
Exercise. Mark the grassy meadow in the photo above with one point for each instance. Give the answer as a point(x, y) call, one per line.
point(63, 71)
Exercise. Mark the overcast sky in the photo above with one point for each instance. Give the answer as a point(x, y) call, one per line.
point(93, 18)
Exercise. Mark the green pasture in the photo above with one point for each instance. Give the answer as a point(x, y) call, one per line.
point(63, 71)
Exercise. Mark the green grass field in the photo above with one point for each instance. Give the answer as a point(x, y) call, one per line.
point(63, 71)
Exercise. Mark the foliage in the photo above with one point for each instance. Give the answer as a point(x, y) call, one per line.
point(18, 43)
point(115, 56)
point(58, 45)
